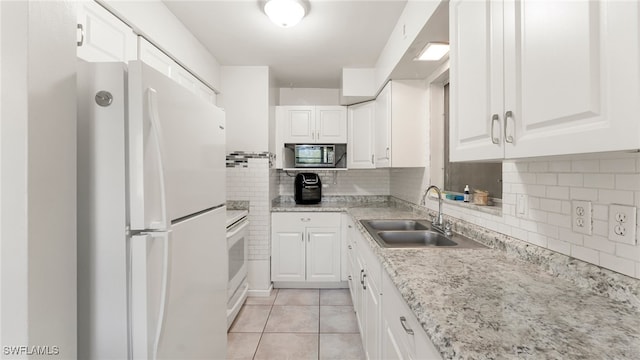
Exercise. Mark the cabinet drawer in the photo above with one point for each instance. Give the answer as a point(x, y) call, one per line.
point(290, 220)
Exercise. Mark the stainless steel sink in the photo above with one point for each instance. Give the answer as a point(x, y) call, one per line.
point(384, 225)
point(403, 233)
point(415, 238)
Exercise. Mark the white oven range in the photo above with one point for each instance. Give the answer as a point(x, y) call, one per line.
point(237, 245)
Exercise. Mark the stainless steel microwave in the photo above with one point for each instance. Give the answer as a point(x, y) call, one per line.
point(315, 156)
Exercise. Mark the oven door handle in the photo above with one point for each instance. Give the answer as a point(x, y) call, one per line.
point(237, 228)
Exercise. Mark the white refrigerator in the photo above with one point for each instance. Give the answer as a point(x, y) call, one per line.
point(152, 258)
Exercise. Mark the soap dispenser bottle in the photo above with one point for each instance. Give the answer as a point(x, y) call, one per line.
point(467, 194)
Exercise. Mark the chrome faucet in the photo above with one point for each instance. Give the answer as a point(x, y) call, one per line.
point(437, 222)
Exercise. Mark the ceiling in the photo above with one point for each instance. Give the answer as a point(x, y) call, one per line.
point(334, 34)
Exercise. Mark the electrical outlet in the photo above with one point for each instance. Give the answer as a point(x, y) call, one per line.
point(581, 216)
point(622, 224)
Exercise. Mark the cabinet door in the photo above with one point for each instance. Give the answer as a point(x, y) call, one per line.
point(288, 256)
point(476, 80)
point(331, 124)
point(371, 304)
point(361, 136)
point(104, 37)
point(299, 124)
point(382, 114)
point(186, 79)
point(323, 254)
point(571, 76)
point(152, 56)
point(392, 349)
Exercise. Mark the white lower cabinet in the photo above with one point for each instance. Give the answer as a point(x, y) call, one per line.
point(388, 328)
point(365, 284)
point(403, 337)
point(305, 247)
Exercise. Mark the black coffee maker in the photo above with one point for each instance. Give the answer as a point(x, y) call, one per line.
point(308, 188)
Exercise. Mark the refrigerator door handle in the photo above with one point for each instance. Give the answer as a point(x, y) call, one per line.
point(152, 104)
point(145, 339)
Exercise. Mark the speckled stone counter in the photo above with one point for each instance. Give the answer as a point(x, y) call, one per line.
point(510, 301)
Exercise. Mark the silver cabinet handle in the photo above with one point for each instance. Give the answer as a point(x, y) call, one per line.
point(372, 158)
point(361, 277)
point(349, 246)
point(387, 150)
point(81, 28)
point(494, 118)
point(349, 277)
point(508, 138)
point(403, 322)
point(305, 219)
point(350, 227)
point(364, 285)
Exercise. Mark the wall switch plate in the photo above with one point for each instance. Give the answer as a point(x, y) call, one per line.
point(622, 223)
point(581, 217)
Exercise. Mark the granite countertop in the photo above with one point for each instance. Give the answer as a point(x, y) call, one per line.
point(490, 304)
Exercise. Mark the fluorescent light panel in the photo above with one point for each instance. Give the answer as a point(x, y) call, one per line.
point(433, 52)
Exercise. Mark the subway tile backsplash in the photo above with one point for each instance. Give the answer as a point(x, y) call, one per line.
point(251, 184)
point(549, 185)
point(344, 182)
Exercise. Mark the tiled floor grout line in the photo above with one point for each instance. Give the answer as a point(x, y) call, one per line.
point(255, 352)
point(318, 332)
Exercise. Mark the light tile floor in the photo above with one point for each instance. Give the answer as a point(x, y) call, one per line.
point(317, 324)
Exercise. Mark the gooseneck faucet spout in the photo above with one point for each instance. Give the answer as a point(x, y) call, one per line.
point(436, 221)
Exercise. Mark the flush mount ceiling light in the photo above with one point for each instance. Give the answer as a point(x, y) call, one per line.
point(285, 13)
point(433, 52)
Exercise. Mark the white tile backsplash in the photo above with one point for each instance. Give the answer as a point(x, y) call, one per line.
point(343, 182)
point(549, 185)
point(251, 184)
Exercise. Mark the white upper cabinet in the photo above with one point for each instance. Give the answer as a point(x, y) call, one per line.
point(331, 124)
point(401, 124)
point(154, 57)
point(314, 124)
point(160, 61)
point(360, 144)
point(102, 36)
point(566, 81)
point(382, 113)
point(476, 80)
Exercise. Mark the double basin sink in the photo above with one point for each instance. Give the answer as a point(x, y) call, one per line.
point(414, 234)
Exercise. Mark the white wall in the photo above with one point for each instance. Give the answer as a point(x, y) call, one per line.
point(309, 96)
point(274, 100)
point(157, 23)
point(413, 18)
point(38, 187)
point(245, 99)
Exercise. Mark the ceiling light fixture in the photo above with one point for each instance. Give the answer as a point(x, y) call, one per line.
point(433, 52)
point(285, 13)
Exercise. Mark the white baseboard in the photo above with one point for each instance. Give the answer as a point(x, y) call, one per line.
point(310, 285)
point(261, 293)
